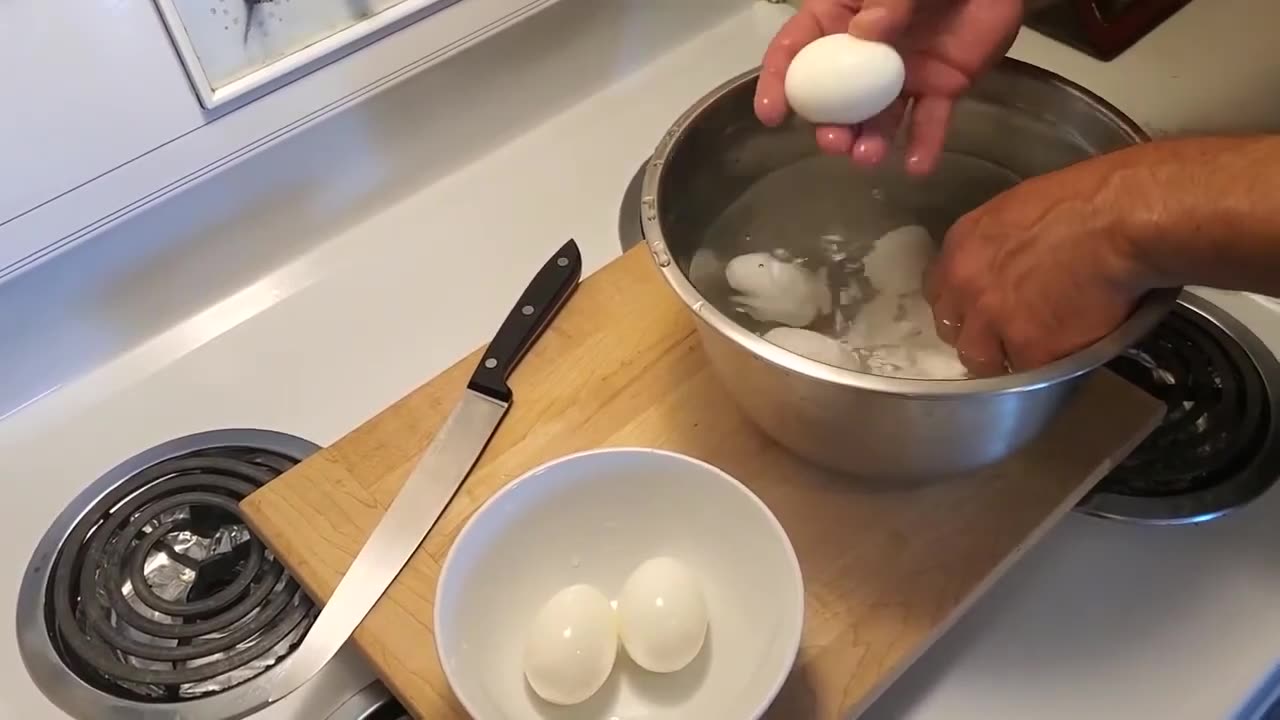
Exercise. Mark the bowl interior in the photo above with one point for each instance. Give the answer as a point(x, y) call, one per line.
point(592, 518)
point(721, 184)
point(1017, 122)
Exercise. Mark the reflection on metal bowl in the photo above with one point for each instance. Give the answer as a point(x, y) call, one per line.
point(1019, 117)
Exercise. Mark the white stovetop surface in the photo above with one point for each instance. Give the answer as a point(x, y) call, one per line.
point(1100, 620)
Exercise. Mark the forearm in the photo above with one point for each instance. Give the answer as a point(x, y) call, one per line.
point(1203, 211)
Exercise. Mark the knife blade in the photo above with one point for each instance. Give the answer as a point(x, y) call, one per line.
point(437, 476)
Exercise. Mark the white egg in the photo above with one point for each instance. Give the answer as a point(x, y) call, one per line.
point(571, 645)
point(898, 331)
point(898, 260)
point(662, 615)
point(761, 273)
point(812, 345)
point(779, 291)
point(884, 320)
point(842, 80)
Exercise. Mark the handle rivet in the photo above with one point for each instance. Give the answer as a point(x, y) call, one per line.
point(490, 363)
point(562, 261)
point(527, 310)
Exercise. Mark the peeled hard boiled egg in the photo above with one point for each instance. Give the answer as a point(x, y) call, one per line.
point(774, 290)
point(898, 260)
point(662, 615)
point(842, 80)
point(571, 645)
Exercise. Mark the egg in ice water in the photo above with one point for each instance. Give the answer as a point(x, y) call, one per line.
point(571, 645)
point(662, 615)
point(774, 290)
point(842, 80)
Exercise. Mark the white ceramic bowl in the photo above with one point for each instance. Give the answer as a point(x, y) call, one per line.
point(592, 518)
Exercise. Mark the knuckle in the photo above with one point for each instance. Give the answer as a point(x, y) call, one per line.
point(1028, 346)
point(962, 276)
point(991, 307)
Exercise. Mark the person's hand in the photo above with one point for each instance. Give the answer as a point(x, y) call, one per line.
point(945, 44)
point(1042, 270)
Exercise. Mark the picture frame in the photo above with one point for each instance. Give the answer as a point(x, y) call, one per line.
point(232, 49)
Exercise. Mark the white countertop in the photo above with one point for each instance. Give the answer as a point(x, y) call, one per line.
point(405, 232)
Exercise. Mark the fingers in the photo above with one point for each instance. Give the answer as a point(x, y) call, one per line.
point(836, 139)
point(940, 275)
point(980, 348)
point(771, 97)
point(948, 320)
point(1027, 356)
point(877, 134)
point(877, 20)
point(881, 20)
point(929, 117)
point(946, 302)
point(961, 316)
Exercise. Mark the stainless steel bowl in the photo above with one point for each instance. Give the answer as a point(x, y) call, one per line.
point(1020, 117)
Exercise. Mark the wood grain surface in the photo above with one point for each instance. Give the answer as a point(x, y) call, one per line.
point(886, 570)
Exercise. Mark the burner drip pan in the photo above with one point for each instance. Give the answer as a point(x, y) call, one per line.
point(149, 597)
point(1218, 446)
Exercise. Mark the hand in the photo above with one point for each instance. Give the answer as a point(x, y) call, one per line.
point(1040, 271)
point(945, 44)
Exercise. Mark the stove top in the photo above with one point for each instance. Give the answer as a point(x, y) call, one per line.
point(1218, 446)
point(150, 593)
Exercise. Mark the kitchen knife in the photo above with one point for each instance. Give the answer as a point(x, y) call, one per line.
point(438, 474)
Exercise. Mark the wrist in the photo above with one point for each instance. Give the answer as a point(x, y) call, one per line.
point(1139, 236)
point(1141, 222)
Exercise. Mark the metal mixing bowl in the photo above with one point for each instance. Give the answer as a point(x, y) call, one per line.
point(1020, 117)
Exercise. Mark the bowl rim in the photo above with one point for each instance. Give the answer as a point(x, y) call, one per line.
point(1148, 313)
point(792, 561)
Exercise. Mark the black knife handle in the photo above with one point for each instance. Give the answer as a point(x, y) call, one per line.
point(538, 305)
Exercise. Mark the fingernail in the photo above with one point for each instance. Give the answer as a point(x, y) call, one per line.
point(916, 164)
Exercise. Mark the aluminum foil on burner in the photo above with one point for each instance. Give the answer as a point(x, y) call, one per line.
point(173, 571)
point(162, 594)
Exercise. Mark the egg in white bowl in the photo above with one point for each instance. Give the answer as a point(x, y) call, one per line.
point(662, 615)
point(639, 526)
point(571, 645)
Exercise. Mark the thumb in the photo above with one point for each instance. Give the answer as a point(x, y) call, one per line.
point(881, 20)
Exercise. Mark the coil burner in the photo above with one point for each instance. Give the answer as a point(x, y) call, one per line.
point(151, 591)
point(1217, 447)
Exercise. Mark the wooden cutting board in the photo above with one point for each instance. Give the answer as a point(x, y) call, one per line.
point(886, 571)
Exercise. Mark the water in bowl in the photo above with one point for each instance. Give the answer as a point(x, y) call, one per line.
point(863, 238)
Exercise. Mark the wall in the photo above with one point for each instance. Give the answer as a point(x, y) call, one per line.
point(189, 253)
point(101, 119)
